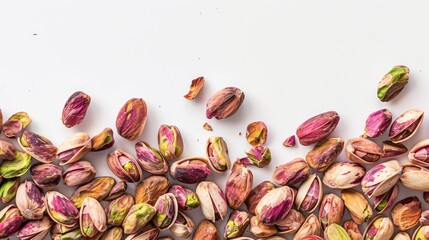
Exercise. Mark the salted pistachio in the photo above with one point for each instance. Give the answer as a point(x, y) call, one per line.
point(289, 141)
point(392, 83)
point(114, 233)
point(275, 205)
point(186, 198)
point(190, 170)
point(406, 125)
point(170, 142)
point(17, 167)
point(331, 210)
point(238, 185)
point(419, 154)
point(358, 206)
point(15, 124)
point(317, 128)
point(256, 133)
point(292, 172)
point(150, 159)
point(7, 150)
point(104, 140)
point(131, 119)
point(206, 230)
point(117, 191)
point(260, 230)
point(8, 189)
point(336, 232)
point(139, 215)
point(259, 156)
point(92, 218)
point(75, 108)
point(424, 218)
point(10, 221)
point(149, 190)
point(257, 194)
point(379, 228)
point(291, 223)
point(377, 123)
point(166, 211)
point(236, 224)
point(415, 177)
point(324, 153)
point(386, 200)
point(30, 200)
point(124, 166)
point(73, 148)
point(149, 232)
point(421, 233)
point(212, 200)
point(402, 236)
point(46, 175)
point(38, 146)
point(344, 175)
point(392, 149)
point(224, 103)
point(79, 173)
point(353, 230)
point(183, 226)
point(406, 213)
point(381, 178)
point(362, 150)
point(75, 234)
point(118, 209)
point(196, 86)
point(61, 209)
point(35, 229)
point(217, 154)
point(309, 194)
point(98, 188)
point(310, 227)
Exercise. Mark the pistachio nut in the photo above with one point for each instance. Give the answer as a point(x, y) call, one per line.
point(379, 228)
point(381, 178)
point(8, 189)
point(317, 128)
point(186, 198)
point(124, 166)
point(310, 227)
point(75, 234)
point(170, 142)
point(117, 191)
point(7, 150)
point(324, 153)
point(292, 172)
point(58, 228)
point(104, 140)
point(336, 232)
point(35, 229)
point(92, 218)
point(17, 167)
point(212, 200)
point(46, 175)
point(75, 108)
point(61, 209)
point(114, 233)
point(236, 224)
point(353, 230)
point(30, 200)
point(415, 177)
point(131, 119)
point(150, 159)
point(196, 86)
point(402, 236)
point(256, 195)
point(206, 230)
point(15, 124)
point(392, 83)
point(358, 206)
point(275, 205)
point(98, 188)
point(260, 230)
point(344, 175)
point(79, 173)
point(190, 170)
point(292, 222)
point(258, 155)
point(166, 211)
point(362, 150)
point(238, 185)
point(149, 232)
point(118, 209)
point(38, 146)
point(183, 226)
point(419, 154)
point(406, 125)
point(424, 218)
point(309, 194)
point(331, 210)
point(377, 123)
point(10, 221)
point(421, 233)
point(392, 149)
point(289, 141)
point(256, 133)
point(139, 215)
point(151, 188)
point(386, 200)
point(73, 148)
point(217, 154)
point(406, 213)
point(224, 103)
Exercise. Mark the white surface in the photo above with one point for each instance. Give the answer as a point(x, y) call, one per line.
point(293, 59)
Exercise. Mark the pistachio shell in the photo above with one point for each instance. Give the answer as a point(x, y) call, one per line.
point(114, 233)
point(238, 185)
point(310, 227)
point(46, 175)
point(38, 146)
point(166, 211)
point(415, 177)
point(117, 191)
point(324, 153)
point(170, 142)
point(402, 236)
point(150, 159)
point(10, 221)
point(92, 218)
point(236, 225)
point(30, 200)
point(256, 133)
point(72, 149)
point(292, 172)
point(217, 154)
point(309, 194)
point(384, 230)
point(362, 150)
point(419, 154)
point(344, 175)
point(206, 230)
point(275, 205)
point(212, 199)
point(104, 140)
point(138, 217)
point(124, 166)
point(61, 209)
point(331, 210)
point(35, 229)
point(358, 206)
point(386, 200)
point(190, 170)
point(260, 230)
point(406, 213)
point(196, 86)
point(421, 233)
point(183, 226)
point(151, 188)
point(79, 173)
point(291, 223)
point(149, 232)
point(98, 188)
point(381, 178)
point(406, 125)
point(118, 209)
point(257, 194)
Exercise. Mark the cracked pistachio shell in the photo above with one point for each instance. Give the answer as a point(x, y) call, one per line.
point(256, 133)
point(236, 224)
point(421, 233)
point(238, 185)
point(38, 146)
point(402, 236)
point(186, 198)
point(336, 232)
point(353, 230)
point(256, 195)
point(293, 221)
point(151, 188)
point(46, 175)
point(30, 200)
point(150, 159)
point(275, 205)
point(363, 151)
point(392, 83)
point(124, 166)
point(35, 229)
point(99, 188)
point(139, 215)
point(118, 209)
point(75, 234)
point(415, 177)
point(259, 156)
point(406, 125)
point(419, 154)
point(10, 221)
point(104, 140)
point(309, 194)
point(344, 175)
point(217, 154)
point(170, 142)
point(149, 232)
point(183, 226)
point(260, 230)
point(206, 230)
point(379, 228)
point(386, 200)
point(310, 227)
point(7, 150)
point(75, 108)
point(92, 219)
point(212, 200)
point(406, 213)
point(15, 124)
point(224, 103)
point(324, 153)
point(317, 128)
point(196, 85)
point(131, 119)
point(190, 170)
point(117, 191)
point(377, 123)
point(61, 209)
point(331, 210)
point(17, 167)
point(392, 149)
point(381, 178)
point(114, 233)
point(8, 189)
point(73, 148)
point(166, 211)
point(358, 206)
point(292, 172)
point(79, 173)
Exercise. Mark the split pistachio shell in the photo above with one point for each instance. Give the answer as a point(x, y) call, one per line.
point(358, 206)
point(79, 173)
point(331, 210)
point(10, 221)
point(259, 156)
point(224, 103)
point(46, 175)
point(353, 230)
point(212, 199)
point(292, 222)
point(186, 198)
point(393, 83)
point(402, 236)
point(256, 133)
point(377, 123)
point(75, 108)
point(292, 172)
point(381, 178)
point(309, 194)
point(392, 149)
point(362, 150)
point(190, 170)
point(150, 159)
point(17, 167)
point(183, 226)
point(310, 227)
point(217, 153)
point(419, 154)
point(415, 177)
point(114, 233)
point(275, 205)
point(124, 166)
point(104, 140)
point(30, 201)
point(61, 209)
point(317, 128)
point(236, 224)
point(166, 211)
point(406, 213)
point(238, 185)
point(118, 209)
point(260, 230)
point(151, 188)
point(35, 229)
point(131, 119)
point(98, 188)
point(421, 233)
point(149, 232)
point(73, 148)
point(38, 146)
point(170, 142)
point(406, 125)
point(8, 189)
point(206, 230)
point(196, 86)
point(344, 175)
point(336, 232)
point(117, 191)
point(324, 153)
point(15, 124)
point(379, 228)
point(139, 215)
point(7, 150)
point(257, 194)
point(386, 200)
point(92, 218)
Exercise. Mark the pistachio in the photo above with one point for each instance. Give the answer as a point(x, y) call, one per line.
point(46, 175)
point(35, 229)
point(38, 146)
point(257, 194)
point(381, 178)
point(392, 83)
point(166, 211)
point(206, 230)
point(15, 124)
point(150, 159)
point(256, 133)
point(131, 119)
point(289, 141)
point(10, 221)
point(186, 198)
point(17, 167)
point(58, 228)
point(324, 153)
point(61, 209)
point(30, 200)
point(386, 200)
point(7, 150)
point(236, 224)
point(259, 230)
point(190, 170)
point(118, 209)
point(406, 125)
point(309, 194)
point(424, 218)
point(402, 236)
point(196, 86)
point(331, 210)
point(392, 149)
point(124, 166)
point(75, 108)
point(336, 232)
point(183, 226)
point(149, 232)
point(114, 233)
point(92, 218)
point(79, 173)
point(73, 148)
point(258, 155)
point(379, 228)
point(207, 127)
point(292, 172)
point(151, 188)
point(224, 103)
point(8, 189)
point(317, 128)
point(98, 188)
point(421, 233)
point(358, 206)
point(275, 205)
point(139, 215)
point(217, 153)
point(292, 222)
point(117, 191)
point(415, 177)
point(353, 230)
point(377, 123)
point(170, 142)
point(75, 234)
point(310, 227)
point(419, 154)
point(406, 213)
point(103, 140)
point(362, 150)
point(212, 200)
point(238, 185)
point(344, 175)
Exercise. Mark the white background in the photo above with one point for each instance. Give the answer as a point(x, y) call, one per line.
point(293, 60)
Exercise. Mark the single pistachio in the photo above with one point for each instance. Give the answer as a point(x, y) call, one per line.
point(331, 210)
point(46, 175)
point(79, 173)
point(7, 150)
point(58, 228)
point(292, 172)
point(38, 146)
point(406, 213)
point(293, 221)
point(139, 215)
point(256, 133)
point(75, 108)
point(258, 155)
point(421, 233)
point(406, 125)
point(344, 175)
point(35, 229)
point(381, 178)
point(151, 188)
point(424, 218)
point(336, 232)
point(75, 234)
point(149, 232)
point(353, 230)
point(118, 209)
point(170, 142)
point(196, 85)
point(236, 224)
point(99, 188)
point(212, 200)
point(310, 227)
point(17, 167)
point(224, 103)
point(217, 154)
point(324, 153)
point(166, 211)
point(8, 189)
point(190, 170)
point(386, 200)
point(73, 148)
point(30, 200)
point(402, 236)
point(289, 141)
point(358, 206)
point(362, 150)
point(150, 159)
point(259, 230)
point(257, 194)
point(238, 185)
point(10, 221)
point(114, 233)
point(415, 177)
point(61, 209)
point(392, 83)
point(379, 228)
point(103, 140)
point(317, 128)
point(377, 123)
point(206, 230)
point(183, 226)
point(131, 119)
point(186, 198)
point(419, 154)
point(275, 205)
point(92, 218)
point(207, 127)
point(309, 194)
point(392, 149)
point(124, 166)
point(15, 124)
point(117, 191)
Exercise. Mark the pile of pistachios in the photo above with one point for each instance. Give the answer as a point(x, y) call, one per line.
point(282, 205)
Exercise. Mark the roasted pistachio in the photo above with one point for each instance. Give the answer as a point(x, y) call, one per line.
point(131, 119)
point(415, 177)
point(35, 229)
point(98, 188)
point(260, 230)
point(353, 230)
point(15, 124)
point(150, 159)
point(236, 224)
point(362, 150)
point(17, 167)
point(149, 232)
point(30, 200)
point(212, 200)
point(358, 206)
point(324, 153)
point(7, 150)
point(331, 210)
point(186, 198)
point(289, 141)
point(406, 213)
point(257, 194)
point(73, 148)
point(75, 108)
point(292, 172)
point(381, 178)
point(406, 125)
point(386, 200)
point(118, 209)
point(336, 232)
point(292, 222)
point(392, 83)
point(317, 128)
point(151, 188)
point(344, 175)
point(103, 140)
point(114, 233)
point(217, 153)
point(310, 227)
point(238, 185)
point(183, 226)
point(10, 221)
point(46, 175)
point(196, 86)
point(117, 191)
point(377, 123)
point(166, 211)
point(139, 215)
point(170, 142)
point(79, 173)
point(124, 166)
point(392, 149)
point(190, 170)
point(256, 133)
point(379, 228)
point(38, 146)
point(402, 236)
point(61, 209)
point(92, 218)
point(224, 103)
point(309, 194)
point(8, 189)
point(206, 230)
point(419, 154)
point(275, 205)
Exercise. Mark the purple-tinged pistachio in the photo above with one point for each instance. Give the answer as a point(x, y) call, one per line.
point(151, 188)
point(217, 153)
point(79, 173)
point(35, 229)
point(117, 191)
point(38, 146)
point(212, 200)
point(260, 230)
point(8, 189)
point(190, 170)
point(149, 232)
point(362, 150)
point(7, 150)
point(186, 198)
point(289, 141)
point(392, 149)
point(238, 185)
point(324, 153)
point(256, 133)
point(75, 234)
point(309, 194)
point(406, 125)
point(421, 233)
point(224, 103)
point(236, 224)
point(402, 236)
point(124, 166)
point(206, 230)
point(170, 142)
point(196, 85)
point(358, 206)
point(166, 211)
point(419, 154)
point(310, 227)
point(344, 175)
point(46, 175)
point(15, 124)
point(275, 205)
point(258, 155)
point(30, 201)
point(10, 221)
point(293, 221)
point(292, 172)
point(317, 128)
point(381, 178)
point(183, 226)
point(406, 213)
point(17, 167)
point(92, 218)
point(424, 218)
point(139, 215)
point(131, 119)
point(380, 228)
point(114, 233)
point(257, 194)
point(99, 188)
point(386, 200)
point(118, 209)
point(353, 230)
point(73, 148)
point(331, 210)
point(74, 110)
point(103, 140)
point(336, 232)
point(377, 123)
point(61, 209)
point(150, 159)
point(415, 177)
point(392, 83)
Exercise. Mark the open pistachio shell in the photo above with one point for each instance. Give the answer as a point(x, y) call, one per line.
point(415, 177)
point(309, 194)
point(10, 221)
point(362, 150)
point(310, 227)
point(380, 228)
point(291, 223)
point(212, 200)
point(166, 211)
point(183, 226)
point(92, 219)
point(73, 148)
point(386, 200)
point(406, 125)
point(35, 229)
point(419, 154)
point(358, 206)
point(406, 213)
point(402, 236)
point(30, 200)
point(217, 153)
point(381, 178)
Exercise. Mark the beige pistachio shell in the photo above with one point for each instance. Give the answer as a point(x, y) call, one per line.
point(405, 126)
point(415, 177)
point(212, 200)
point(362, 150)
point(183, 226)
point(419, 153)
point(97, 217)
point(311, 226)
point(78, 145)
point(309, 193)
point(384, 230)
point(402, 236)
point(381, 178)
point(406, 213)
point(291, 223)
point(344, 175)
point(358, 206)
